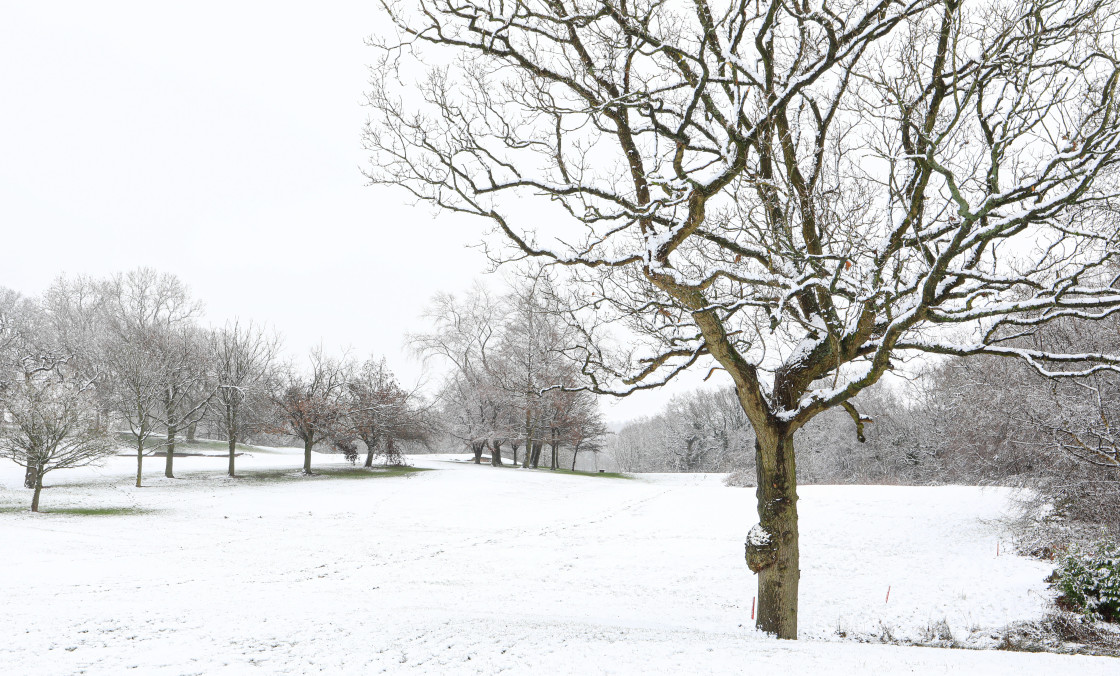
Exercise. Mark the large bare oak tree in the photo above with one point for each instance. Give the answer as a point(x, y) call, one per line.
point(805, 192)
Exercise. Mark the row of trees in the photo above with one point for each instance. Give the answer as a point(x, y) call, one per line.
point(93, 357)
point(512, 381)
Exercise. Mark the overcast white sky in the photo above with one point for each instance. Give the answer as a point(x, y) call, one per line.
point(219, 141)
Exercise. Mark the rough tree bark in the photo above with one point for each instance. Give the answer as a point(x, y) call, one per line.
point(232, 454)
point(231, 434)
point(139, 460)
point(168, 469)
point(38, 490)
point(772, 547)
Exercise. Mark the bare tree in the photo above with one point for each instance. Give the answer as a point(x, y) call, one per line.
point(53, 425)
point(28, 349)
point(799, 193)
point(383, 414)
point(244, 358)
point(188, 384)
point(471, 411)
point(52, 422)
point(532, 364)
point(583, 426)
point(145, 350)
point(466, 335)
point(311, 405)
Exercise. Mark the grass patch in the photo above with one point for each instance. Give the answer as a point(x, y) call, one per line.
point(602, 475)
point(348, 473)
point(96, 511)
point(77, 511)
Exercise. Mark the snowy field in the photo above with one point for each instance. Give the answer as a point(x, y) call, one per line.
point(471, 569)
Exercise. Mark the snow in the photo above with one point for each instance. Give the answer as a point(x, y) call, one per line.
point(473, 569)
point(757, 536)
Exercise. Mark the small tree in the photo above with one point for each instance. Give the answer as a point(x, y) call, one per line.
point(584, 430)
point(312, 406)
point(28, 349)
point(382, 414)
point(243, 359)
point(187, 383)
point(467, 334)
point(53, 423)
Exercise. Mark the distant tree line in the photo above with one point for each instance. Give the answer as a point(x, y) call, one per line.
point(978, 421)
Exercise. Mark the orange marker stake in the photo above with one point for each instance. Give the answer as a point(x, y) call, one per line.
point(888, 594)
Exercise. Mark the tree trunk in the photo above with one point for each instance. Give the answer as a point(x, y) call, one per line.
point(772, 546)
point(307, 444)
point(476, 448)
point(554, 443)
point(496, 454)
point(575, 454)
point(168, 470)
point(192, 430)
point(168, 466)
point(369, 455)
point(139, 459)
point(38, 489)
point(515, 447)
point(29, 477)
point(232, 452)
point(231, 433)
point(538, 446)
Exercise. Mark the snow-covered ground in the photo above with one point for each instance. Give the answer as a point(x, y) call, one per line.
point(472, 569)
